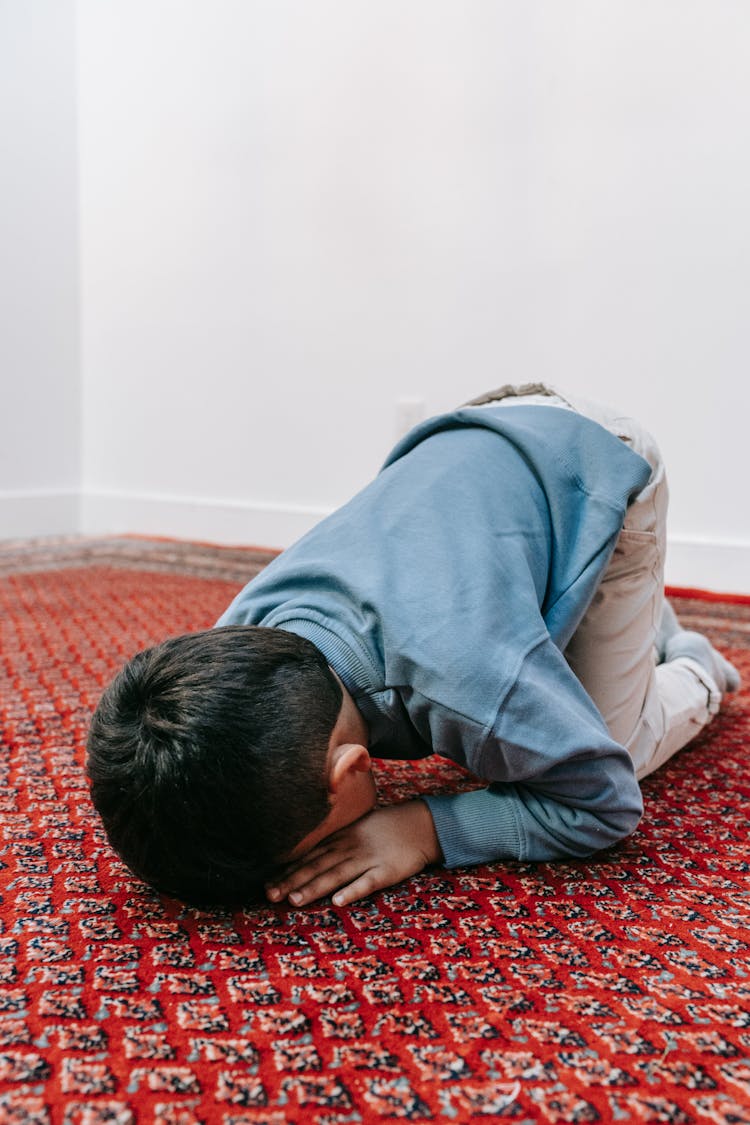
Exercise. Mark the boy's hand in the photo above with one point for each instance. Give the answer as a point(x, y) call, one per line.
point(385, 846)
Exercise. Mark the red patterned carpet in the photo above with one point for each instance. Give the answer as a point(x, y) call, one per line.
point(612, 991)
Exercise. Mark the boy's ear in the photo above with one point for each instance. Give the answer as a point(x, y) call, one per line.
point(347, 758)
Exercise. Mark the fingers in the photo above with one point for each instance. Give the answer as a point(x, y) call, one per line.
point(304, 861)
point(295, 873)
point(347, 878)
point(315, 878)
point(325, 883)
point(365, 885)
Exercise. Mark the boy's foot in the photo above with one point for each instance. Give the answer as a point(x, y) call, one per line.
point(668, 626)
point(697, 647)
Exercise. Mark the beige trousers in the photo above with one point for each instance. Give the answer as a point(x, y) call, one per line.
point(651, 709)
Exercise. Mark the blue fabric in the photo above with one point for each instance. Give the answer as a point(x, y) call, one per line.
point(444, 594)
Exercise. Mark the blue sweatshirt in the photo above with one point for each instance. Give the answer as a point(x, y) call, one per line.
point(444, 594)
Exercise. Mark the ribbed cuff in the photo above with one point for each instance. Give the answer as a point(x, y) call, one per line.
point(475, 827)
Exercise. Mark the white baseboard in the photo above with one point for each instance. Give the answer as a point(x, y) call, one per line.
point(719, 565)
point(722, 566)
point(27, 513)
point(231, 523)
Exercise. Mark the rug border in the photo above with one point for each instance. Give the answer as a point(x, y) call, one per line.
point(706, 595)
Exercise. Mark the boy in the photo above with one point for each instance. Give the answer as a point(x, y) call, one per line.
point(496, 595)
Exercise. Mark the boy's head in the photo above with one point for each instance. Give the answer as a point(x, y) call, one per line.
point(213, 756)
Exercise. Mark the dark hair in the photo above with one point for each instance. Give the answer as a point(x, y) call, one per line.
point(207, 759)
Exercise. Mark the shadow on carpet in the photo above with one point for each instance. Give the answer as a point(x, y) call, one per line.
point(611, 990)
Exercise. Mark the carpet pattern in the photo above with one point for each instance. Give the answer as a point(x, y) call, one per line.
point(615, 990)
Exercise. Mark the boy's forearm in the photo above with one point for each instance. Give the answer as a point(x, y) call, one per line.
point(525, 822)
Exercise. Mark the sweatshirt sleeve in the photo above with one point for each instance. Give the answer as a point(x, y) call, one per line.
point(559, 786)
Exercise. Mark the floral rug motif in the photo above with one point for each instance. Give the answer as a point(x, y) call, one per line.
point(614, 990)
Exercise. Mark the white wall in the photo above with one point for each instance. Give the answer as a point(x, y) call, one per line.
point(295, 213)
point(40, 391)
